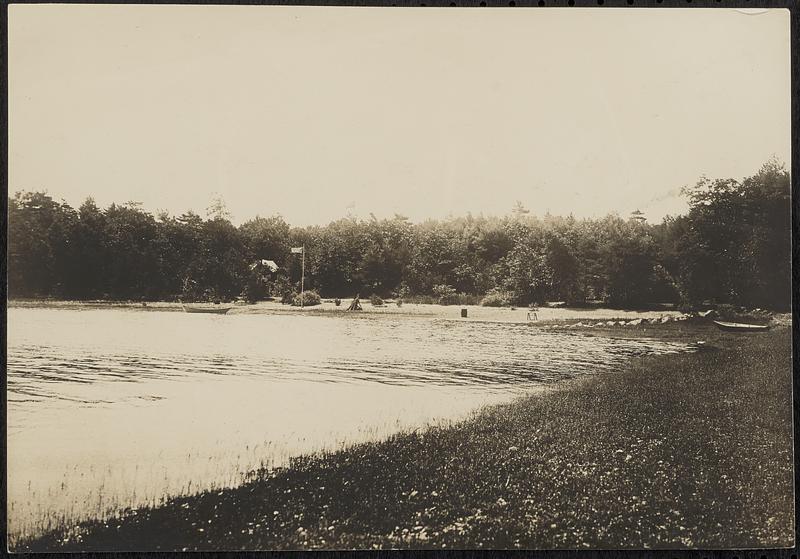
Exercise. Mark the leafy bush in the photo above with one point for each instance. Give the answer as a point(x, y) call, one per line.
point(402, 291)
point(737, 313)
point(288, 298)
point(445, 295)
point(420, 300)
point(282, 287)
point(376, 301)
point(310, 298)
point(257, 287)
point(453, 299)
point(467, 299)
point(496, 298)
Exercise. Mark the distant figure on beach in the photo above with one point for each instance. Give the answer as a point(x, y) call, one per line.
point(356, 304)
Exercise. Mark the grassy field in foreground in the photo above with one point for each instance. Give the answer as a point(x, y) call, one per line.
point(686, 450)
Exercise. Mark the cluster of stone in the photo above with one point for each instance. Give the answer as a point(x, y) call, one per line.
point(623, 323)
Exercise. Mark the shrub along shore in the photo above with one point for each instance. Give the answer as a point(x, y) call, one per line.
point(682, 450)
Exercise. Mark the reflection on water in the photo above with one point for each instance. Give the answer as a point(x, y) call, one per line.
point(119, 407)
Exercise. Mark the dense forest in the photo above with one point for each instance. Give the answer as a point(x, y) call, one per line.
point(732, 247)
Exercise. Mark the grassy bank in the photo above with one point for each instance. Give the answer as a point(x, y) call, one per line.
point(678, 450)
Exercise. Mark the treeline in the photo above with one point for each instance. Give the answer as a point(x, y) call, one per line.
point(732, 247)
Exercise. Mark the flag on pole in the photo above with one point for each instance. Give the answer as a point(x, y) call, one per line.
point(297, 250)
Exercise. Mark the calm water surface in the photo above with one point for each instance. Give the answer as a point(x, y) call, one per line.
point(109, 408)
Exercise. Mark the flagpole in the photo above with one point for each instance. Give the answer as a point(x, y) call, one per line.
point(303, 277)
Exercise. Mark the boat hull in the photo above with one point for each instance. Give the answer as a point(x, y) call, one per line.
point(207, 310)
point(740, 327)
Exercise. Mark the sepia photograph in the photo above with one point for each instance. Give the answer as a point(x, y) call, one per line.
point(373, 278)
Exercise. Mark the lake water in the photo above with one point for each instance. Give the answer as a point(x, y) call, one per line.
point(111, 408)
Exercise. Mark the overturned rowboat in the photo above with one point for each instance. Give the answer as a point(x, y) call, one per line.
point(740, 327)
point(207, 310)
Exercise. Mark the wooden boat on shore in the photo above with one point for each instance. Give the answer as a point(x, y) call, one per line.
point(207, 310)
point(740, 327)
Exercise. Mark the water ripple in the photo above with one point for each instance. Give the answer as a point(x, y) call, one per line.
point(390, 351)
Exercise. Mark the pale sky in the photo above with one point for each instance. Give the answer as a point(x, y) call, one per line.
point(316, 112)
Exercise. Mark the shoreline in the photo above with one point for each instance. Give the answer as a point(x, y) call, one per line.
point(583, 321)
point(691, 429)
point(476, 313)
